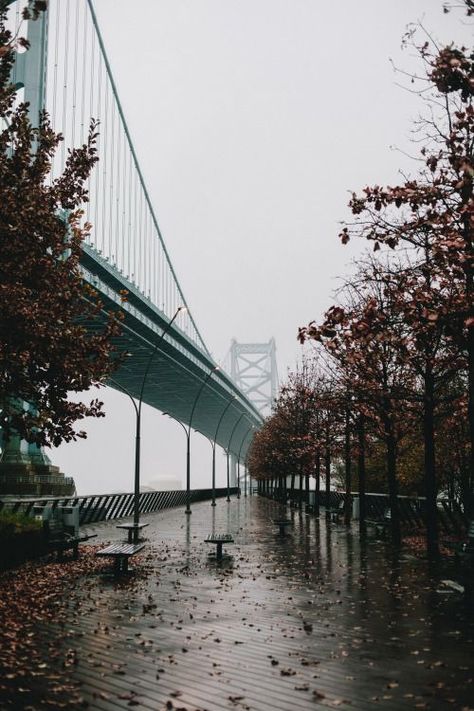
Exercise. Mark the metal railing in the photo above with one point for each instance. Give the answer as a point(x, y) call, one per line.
point(451, 517)
point(107, 507)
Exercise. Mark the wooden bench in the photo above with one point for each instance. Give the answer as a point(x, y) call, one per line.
point(336, 511)
point(282, 524)
point(219, 539)
point(381, 525)
point(120, 552)
point(131, 528)
point(467, 562)
point(464, 550)
point(58, 538)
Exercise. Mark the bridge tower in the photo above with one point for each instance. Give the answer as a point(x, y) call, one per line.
point(253, 368)
point(25, 468)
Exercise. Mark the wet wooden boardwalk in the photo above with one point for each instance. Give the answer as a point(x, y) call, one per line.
point(304, 621)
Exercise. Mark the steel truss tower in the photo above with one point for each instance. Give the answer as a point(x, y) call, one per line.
point(254, 370)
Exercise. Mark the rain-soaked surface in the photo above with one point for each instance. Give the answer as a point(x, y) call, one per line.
point(306, 620)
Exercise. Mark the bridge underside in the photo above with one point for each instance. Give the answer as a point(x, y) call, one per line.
point(178, 368)
point(172, 386)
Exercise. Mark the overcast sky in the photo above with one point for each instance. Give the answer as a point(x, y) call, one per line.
point(252, 120)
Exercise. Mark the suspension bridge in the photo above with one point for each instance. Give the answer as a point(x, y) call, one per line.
point(67, 71)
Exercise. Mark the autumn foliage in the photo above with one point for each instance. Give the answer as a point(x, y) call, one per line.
point(399, 341)
point(46, 347)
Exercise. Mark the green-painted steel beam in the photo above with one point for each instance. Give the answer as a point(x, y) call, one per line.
point(178, 368)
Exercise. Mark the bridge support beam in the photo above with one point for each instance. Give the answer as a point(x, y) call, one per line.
point(26, 470)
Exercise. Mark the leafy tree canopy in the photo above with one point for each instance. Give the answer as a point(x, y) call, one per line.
point(46, 348)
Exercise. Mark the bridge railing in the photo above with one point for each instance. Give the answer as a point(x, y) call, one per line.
point(106, 507)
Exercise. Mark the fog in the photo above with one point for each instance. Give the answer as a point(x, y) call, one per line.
point(253, 120)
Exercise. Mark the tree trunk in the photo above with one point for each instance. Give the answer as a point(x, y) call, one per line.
point(470, 342)
point(292, 487)
point(317, 491)
point(430, 466)
point(327, 462)
point(467, 195)
point(348, 477)
point(391, 450)
point(361, 473)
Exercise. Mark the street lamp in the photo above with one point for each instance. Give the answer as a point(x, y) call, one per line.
point(228, 451)
point(213, 444)
point(240, 451)
point(188, 447)
point(179, 423)
point(138, 413)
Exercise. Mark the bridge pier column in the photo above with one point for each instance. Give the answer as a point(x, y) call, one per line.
point(26, 470)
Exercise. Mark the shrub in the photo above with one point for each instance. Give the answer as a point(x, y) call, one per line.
point(21, 538)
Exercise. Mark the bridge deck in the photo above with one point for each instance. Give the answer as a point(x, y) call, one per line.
point(304, 621)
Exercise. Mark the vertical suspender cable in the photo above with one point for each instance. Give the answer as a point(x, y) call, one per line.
point(137, 167)
point(132, 221)
point(17, 25)
point(149, 252)
point(100, 141)
point(154, 297)
point(105, 154)
point(130, 208)
point(118, 187)
point(55, 76)
point(140, 232)
point(124, 202)
point(111, 175)
point(74, 75)
point(85, 44)
point(65, 83)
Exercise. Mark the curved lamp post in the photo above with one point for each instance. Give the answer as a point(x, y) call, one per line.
point(238, 459)
point(188, 447)
point(228, 451)
point(138, 413)
point(179, 423)
point(213, 444)
point(247, 474)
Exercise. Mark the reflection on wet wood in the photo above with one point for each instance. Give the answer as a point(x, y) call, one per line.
point(315, 619)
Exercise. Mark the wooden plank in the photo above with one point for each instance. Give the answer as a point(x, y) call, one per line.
point(125, 549)
point(285, 618)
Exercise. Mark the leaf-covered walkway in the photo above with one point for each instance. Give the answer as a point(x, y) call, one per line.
point(304, 621)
